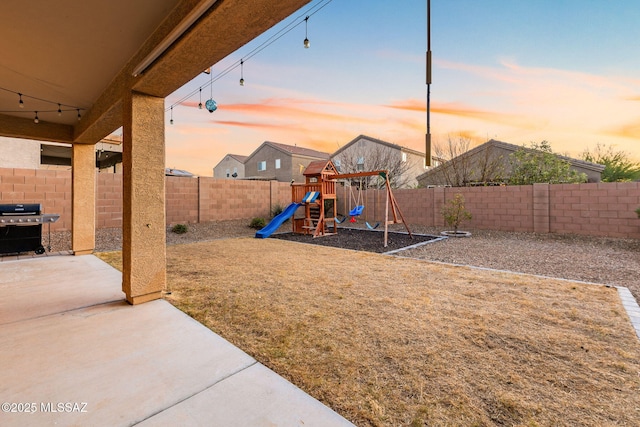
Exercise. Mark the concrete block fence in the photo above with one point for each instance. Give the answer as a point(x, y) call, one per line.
point(598, 209)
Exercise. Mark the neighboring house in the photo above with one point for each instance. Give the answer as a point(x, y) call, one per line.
point(489, 163)
point(230, 167)
point(29, 154)
point(280, 162)
point(368, 154)
point(178, 172)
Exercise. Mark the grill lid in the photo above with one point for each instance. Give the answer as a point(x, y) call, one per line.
point(21, 209)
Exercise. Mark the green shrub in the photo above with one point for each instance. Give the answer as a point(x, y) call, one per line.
point(454, 212)
point(638, 212)
point(180, 228)
point(257, 223)
point(276, 210)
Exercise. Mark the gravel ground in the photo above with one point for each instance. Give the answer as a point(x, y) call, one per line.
point(592, 259)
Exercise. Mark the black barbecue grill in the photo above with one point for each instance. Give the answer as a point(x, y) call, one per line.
point(21, 228)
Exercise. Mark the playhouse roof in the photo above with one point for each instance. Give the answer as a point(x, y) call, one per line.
point(319, 167)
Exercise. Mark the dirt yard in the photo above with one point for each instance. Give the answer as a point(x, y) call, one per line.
point(396, 341)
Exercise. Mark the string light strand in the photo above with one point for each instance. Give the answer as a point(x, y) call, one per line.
point(299, 20)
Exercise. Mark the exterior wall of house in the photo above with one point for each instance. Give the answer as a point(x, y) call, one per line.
point(267, 154)
point(375, 156)
point(290, 165)
point(496, 160)
point(298, 165)
point(598, 209)
point(19, 153)
point(227, 166)
point(416, 167)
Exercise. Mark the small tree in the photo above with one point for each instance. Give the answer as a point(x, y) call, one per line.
point(617, 165)
point(376, 158)
point(539, 164)
point(461, 166)
point(454, 212)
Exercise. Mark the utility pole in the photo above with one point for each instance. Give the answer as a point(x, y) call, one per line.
point(428, 135)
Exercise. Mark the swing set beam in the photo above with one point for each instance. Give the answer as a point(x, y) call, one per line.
point(359, 174)
point(390, 202)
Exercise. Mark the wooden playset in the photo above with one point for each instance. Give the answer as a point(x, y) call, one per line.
point(321, 178)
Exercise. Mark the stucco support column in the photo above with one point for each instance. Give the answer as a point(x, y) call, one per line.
point(143, 222)
point(83, 199)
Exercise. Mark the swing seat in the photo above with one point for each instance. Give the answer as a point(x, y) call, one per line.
point(372, 227)
point(340, 220)
point(357, 211)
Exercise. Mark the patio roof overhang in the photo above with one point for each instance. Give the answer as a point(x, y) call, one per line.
point(85, 55)
point(111, 64)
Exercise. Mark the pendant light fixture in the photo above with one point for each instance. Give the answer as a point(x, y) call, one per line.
point(241, 72)
point(211, 104)
point(306, 39)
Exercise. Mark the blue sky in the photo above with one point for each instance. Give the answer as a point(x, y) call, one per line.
point(518, 71)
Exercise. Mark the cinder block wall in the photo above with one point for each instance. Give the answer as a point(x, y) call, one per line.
point(598, 209)
point(108, 200)
point(182, 200)
point(50, 188)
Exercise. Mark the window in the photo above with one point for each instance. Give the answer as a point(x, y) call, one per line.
point(277, 163)
point(404, 157)
point(227, 172)
point(336, 163)
point(262, 166)
point(235, 170)
point(360, 164)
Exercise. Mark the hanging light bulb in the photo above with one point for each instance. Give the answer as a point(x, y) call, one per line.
point(20, 103)
point(241, 72)
point(171, 121)
point(79, 116)
point(36, 119)
point(200, 104)
point(59, 110)
point(306, 39)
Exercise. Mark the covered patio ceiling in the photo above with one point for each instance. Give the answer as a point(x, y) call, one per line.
point(83, 57)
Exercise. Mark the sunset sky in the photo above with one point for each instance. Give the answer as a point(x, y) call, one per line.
point(514, 70)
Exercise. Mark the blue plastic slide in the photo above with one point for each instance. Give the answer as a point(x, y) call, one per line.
point(277, 221)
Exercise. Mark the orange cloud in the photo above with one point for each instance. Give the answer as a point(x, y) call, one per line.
point(630, 130)
point(409, 105)
point(246, 124)
point(487, 116)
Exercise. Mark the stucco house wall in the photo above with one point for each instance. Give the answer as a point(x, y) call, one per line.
point(378, 154)
point(19, 153)
point(490, 162)
point(231, 164)
point(281, 162)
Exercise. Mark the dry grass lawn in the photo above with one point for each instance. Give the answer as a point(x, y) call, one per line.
point(395, 341)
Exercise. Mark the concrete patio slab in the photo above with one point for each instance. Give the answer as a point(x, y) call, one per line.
point(70, 359)
point(35, 287)
point(256, 396)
